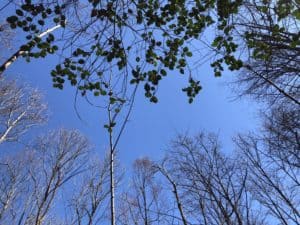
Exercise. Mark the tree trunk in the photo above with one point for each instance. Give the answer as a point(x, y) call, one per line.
point(19, 53)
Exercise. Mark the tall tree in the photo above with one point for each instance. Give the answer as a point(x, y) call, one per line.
point(32, 180)
point(273, 180)
point(209, 187)
point(251, 185)
point(144, 202)
point(88, 203)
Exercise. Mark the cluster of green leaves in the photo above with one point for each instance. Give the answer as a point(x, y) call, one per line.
point(32, 19)
point(285, 9)
point(193, 89)
point(146, 40)
point(164, 30)
point(224, 43)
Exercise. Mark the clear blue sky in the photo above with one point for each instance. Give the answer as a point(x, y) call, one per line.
point(151, 126)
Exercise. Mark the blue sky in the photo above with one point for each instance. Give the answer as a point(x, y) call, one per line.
point(151, 126)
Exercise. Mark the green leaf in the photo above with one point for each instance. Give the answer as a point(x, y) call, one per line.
point(153, 99)
point(12, 19)
point(189, 54)
point(19, 12)
point(296, 14)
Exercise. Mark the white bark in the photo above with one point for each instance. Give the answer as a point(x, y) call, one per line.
point(19, 53)
point(20, 109)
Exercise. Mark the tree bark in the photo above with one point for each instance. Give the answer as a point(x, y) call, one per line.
point(19, 53)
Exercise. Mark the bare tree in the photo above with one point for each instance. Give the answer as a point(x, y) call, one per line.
point(144, 202)
point(281, 133)
point(273, 180)
point(89, 203)
point(20, 109)
point(175, 190)
point(53, 161)
point(13, 179)
point(209, 187)
point(272, 156)
point(6, 36)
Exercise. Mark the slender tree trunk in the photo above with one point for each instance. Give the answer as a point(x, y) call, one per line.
point(176, 194)
point(3, 137)
point(112, 187)
point(112, 145)
point(112, 172)
point(19, 53)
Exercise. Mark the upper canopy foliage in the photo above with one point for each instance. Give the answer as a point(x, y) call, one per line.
point(108, 44)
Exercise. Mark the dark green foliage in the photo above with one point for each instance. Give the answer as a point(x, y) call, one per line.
point(192, 90)
point(31, 18)
point(144, 41)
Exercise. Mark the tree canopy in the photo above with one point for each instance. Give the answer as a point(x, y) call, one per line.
point(133, 41)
